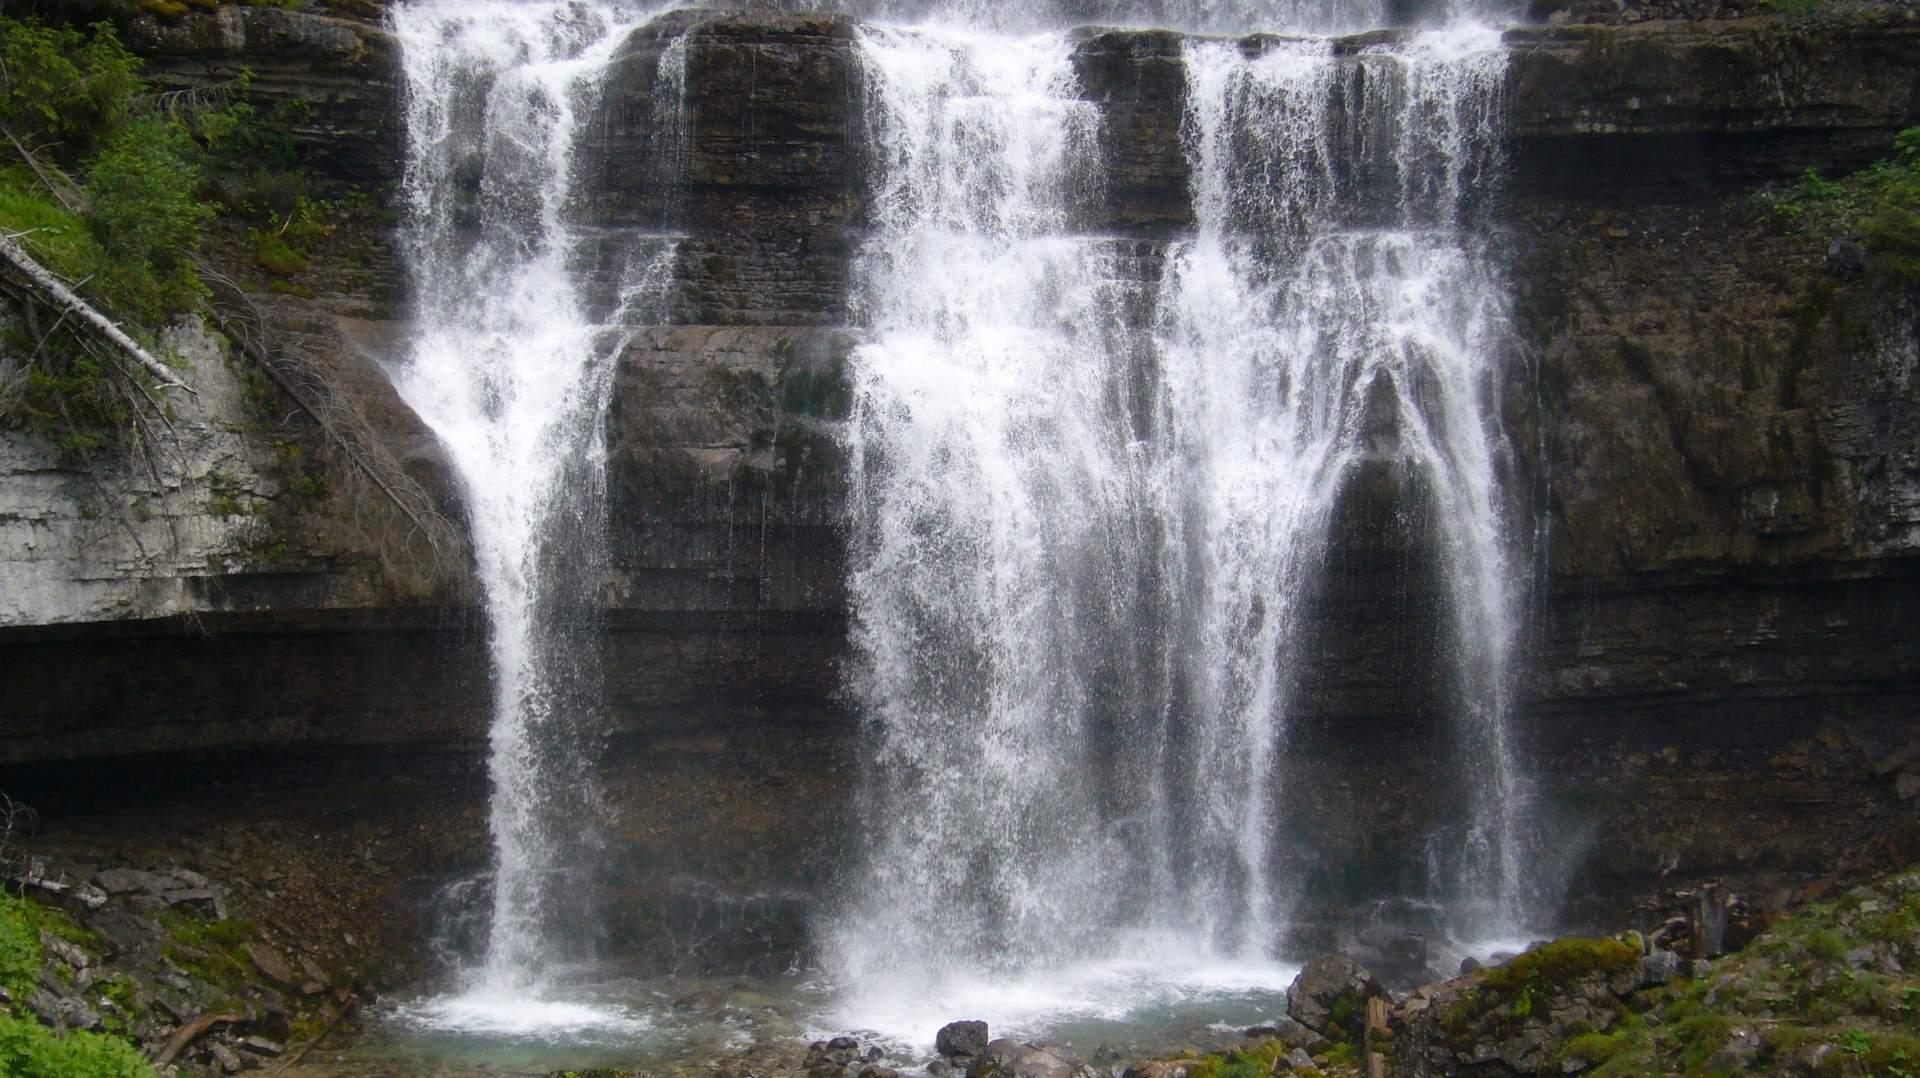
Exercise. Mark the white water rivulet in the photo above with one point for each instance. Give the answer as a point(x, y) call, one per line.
point(1088, 511)
point(513, 375)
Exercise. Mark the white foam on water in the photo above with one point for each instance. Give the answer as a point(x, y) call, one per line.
point(1102, 998)
point(487, 1013)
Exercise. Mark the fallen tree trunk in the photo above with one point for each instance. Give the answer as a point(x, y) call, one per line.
point(67, 300)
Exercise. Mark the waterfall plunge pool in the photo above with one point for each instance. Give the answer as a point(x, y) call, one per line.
point(594, 1017)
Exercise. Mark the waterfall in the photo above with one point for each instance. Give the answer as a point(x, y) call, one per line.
point(1333, 306)
point(513, 375)
point(1083, 538)
point(993, 535)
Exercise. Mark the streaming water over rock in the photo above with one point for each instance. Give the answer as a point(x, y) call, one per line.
point(994, 534)
point(1089, 510)
point(1334, 308)
point(513, 376)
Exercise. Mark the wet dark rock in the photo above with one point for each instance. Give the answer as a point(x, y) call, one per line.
point(55, 947)
point(120, 881)
point(271, 964)
point(1846, 259)
point(1295, 1035)
point(62, 1012)
point(1398, 957)
point(230, 1061)
point(963, 1038)
point(1660, 966)
point(1331, 994)
point(1006, 1058)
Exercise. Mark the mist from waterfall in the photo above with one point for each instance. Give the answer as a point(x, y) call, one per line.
point(513, 376)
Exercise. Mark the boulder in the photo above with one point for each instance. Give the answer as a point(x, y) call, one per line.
point(121, 881)
point(1006, 1058)
point(964, 1038)
point(271, 964)
point(1659, 968)
point(1331, 993)
point(1294, 1035)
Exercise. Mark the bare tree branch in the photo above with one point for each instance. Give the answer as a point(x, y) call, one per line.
point(68, 301)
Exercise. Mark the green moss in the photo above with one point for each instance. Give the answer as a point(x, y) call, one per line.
point(1828, 944)
point(209, 950)
point(272, 252)
point(1562, 962)
point(1346, 1054)
point(1598, 1048)
point(1700, 1036)
point(1255, 1061)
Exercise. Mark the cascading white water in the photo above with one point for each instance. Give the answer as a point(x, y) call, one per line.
point(1078, 605)
point(992, 532)
point(513, 376)
point(1330, 273)
point(1197, 16)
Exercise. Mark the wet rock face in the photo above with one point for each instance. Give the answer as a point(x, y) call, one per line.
point(1719, 473)
point(342, 73)
point(1330, 997)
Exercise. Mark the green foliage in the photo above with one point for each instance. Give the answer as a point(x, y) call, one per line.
point(272, 252)
point(1880, 204)
point(1255, 1061)
point(1560, 962)
point(64, 86)
point(30, 1050)
point(19, 945)
point(103, 182)
point(146, 214)
point(1828, 944)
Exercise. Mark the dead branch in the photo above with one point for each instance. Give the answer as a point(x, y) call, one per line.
point(56, 181)
point(191, 1032)
point(345, 428)
point(67, 300)
point(345, 1008)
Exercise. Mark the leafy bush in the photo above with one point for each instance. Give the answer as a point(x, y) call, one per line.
point(31, 1050)
point(1880, 203)
point(64, 86)
point(19, 945)
point(103, 184)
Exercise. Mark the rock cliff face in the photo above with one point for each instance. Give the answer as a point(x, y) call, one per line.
point(1714, 437)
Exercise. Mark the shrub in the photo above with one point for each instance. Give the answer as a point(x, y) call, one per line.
point(146, 214)
point(31, 1050)
point(1880, 203)
point(63, 85)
